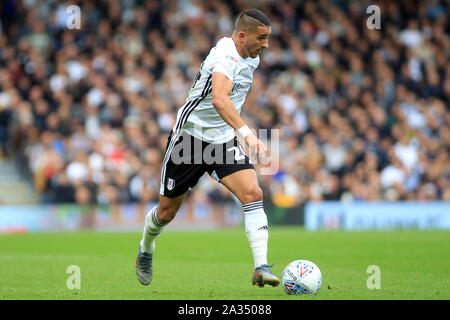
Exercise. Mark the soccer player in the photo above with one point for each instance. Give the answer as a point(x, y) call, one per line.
point(208, 120)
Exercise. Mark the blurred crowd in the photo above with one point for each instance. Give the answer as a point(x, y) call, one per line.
point(363, 114)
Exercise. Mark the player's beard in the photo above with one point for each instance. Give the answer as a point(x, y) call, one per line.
point(256, 52)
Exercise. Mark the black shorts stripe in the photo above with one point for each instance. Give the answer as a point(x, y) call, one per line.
point(173, 140)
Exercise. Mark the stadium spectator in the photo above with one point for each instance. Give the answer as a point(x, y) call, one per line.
point(363, 114)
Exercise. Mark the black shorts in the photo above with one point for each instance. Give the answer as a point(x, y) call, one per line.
point(188, 158)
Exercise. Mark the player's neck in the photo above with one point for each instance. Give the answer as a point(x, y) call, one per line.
point(238, 48)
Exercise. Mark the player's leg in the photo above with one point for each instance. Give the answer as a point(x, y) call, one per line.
point(157, 218)
point(176, 178)
point(155, 221)
point(244, 185)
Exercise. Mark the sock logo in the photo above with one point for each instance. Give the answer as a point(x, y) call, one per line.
point(263, 228)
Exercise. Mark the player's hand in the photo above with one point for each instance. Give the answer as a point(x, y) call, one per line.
point(257, 149)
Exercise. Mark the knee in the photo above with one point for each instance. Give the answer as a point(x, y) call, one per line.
point(252, 194)
point(166, 214)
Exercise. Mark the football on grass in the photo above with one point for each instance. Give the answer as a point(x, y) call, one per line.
point(301, 277)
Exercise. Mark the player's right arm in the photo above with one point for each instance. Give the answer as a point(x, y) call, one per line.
point(221, 88)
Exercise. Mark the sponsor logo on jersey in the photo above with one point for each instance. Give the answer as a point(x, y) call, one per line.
point(241, 87)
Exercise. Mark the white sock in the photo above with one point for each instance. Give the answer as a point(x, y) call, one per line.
point(255, 220)
point(152, 229)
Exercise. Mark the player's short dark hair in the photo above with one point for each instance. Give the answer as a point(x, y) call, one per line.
point(249, 20)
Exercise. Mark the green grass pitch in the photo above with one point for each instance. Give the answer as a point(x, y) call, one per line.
point(215, 265)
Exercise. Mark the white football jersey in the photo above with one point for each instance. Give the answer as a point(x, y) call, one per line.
point(198, 115)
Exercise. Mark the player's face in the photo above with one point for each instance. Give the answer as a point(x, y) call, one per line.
point(258, 41)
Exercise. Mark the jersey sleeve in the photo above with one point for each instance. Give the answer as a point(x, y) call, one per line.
point(225, 62)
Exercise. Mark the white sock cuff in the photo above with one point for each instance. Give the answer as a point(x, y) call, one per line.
point(152, 218)
point(253, 207)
